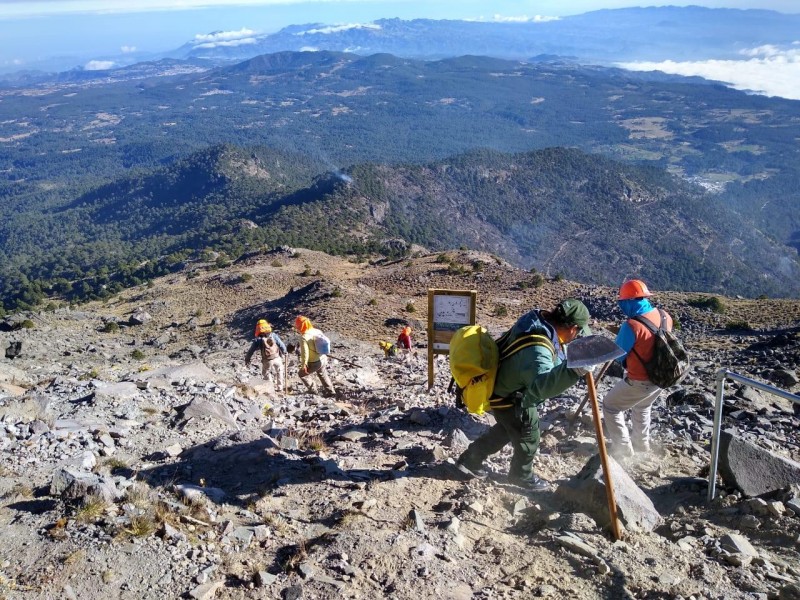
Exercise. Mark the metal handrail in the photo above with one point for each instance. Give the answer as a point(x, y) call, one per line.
point(722, 375)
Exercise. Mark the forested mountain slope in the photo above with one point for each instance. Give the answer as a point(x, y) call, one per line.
point(556, 210)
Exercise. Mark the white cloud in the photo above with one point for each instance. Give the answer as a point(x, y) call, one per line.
point(128, 49)
point(524, 19)
point(220, 36)
point(768, 70)
point(338, 28)
point(309, 49)
point(99, 65)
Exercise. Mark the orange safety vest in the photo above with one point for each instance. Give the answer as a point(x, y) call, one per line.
point(643, 344)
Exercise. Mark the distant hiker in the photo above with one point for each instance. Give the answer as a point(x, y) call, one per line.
point(635, 392)
point(314, 347)
point(404, 344)
point(389, 349)
point(272, 352)
point(524, 381)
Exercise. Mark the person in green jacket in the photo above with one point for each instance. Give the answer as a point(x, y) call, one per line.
point(524, 381)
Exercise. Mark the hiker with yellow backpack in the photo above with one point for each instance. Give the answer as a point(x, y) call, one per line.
point(272, 352)
point(529, 366)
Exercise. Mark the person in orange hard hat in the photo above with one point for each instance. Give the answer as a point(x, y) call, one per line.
point(404, 345)
point(272, 352)
point(635, 392)
point(314, 349)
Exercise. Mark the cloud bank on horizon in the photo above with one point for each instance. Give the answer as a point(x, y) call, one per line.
point(768, 70)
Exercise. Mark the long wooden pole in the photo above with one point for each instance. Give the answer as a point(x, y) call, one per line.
point(286, 373)
point(601, 442)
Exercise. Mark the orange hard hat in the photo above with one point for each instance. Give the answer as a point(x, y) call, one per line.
point(634, 288)
point(263, 326)
point(302, 324)
point(407, 330)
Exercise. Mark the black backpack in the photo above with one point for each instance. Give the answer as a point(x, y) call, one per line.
point(670, 363)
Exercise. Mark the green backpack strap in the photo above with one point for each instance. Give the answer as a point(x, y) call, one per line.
point(524, 341)
point(507, 350)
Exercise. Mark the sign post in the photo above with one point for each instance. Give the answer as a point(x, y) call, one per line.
point(448, 311)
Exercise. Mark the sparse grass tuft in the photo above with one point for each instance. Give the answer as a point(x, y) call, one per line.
point(738, 326)
point(277, 523)
point(137, 354)
point(74, 557)
point(372, 302)
point(500, 310)
point(92, 509)
point(712, 303)
point(22, 490)
point(115, 464)
point(141, 526)
point(276, 264)
point(410, 307)
point(110, 327)
point(139, 495)
point(296, 557)
point(315, 442)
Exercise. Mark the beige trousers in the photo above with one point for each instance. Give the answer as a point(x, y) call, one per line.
point(272, 370)
point(637, 397)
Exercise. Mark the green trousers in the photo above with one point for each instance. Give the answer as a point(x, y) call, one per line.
point(510, 427)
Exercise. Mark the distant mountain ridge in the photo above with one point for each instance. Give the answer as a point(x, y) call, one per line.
point(598, 37)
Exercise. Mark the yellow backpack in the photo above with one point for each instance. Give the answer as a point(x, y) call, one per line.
point(475, 358)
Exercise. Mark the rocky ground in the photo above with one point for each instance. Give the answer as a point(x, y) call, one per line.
point(142, 459)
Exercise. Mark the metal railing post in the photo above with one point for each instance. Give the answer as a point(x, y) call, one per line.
point(722, 375)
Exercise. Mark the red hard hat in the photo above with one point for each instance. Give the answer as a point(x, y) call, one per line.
point(635, 288)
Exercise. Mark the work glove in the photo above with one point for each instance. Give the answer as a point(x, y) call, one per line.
point(582, 371)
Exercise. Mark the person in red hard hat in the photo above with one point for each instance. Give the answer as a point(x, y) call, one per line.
point(312, 357)
point(635, 392)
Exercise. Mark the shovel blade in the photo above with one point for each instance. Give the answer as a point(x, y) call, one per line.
point(592, 350)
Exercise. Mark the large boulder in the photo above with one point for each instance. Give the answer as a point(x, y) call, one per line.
point(72, 484)
point(586, 492)
point(752, 469)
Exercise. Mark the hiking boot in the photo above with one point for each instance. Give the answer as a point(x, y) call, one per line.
point(621, 451)
point(532, 483)
point(472, 472)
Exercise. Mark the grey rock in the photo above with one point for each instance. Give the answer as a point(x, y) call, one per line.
point(125, 390)
point(200, 407)
point(194, 492)
point(457, 440)
point(140, 317)
point(737, 544)
point(72, 484)
point(206, 591)
point(790, 591)
point(419, 522)
point(13, 350)
point(264, 579)
point(587, 492)
point(419, 417)
point(794, 506)
point(752, 469)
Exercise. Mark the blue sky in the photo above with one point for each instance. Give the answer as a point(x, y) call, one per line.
point(84, 32)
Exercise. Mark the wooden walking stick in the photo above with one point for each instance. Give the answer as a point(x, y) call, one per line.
point(286, 373)
point(601, 442)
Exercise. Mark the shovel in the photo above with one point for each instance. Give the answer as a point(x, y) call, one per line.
point(587, 352)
